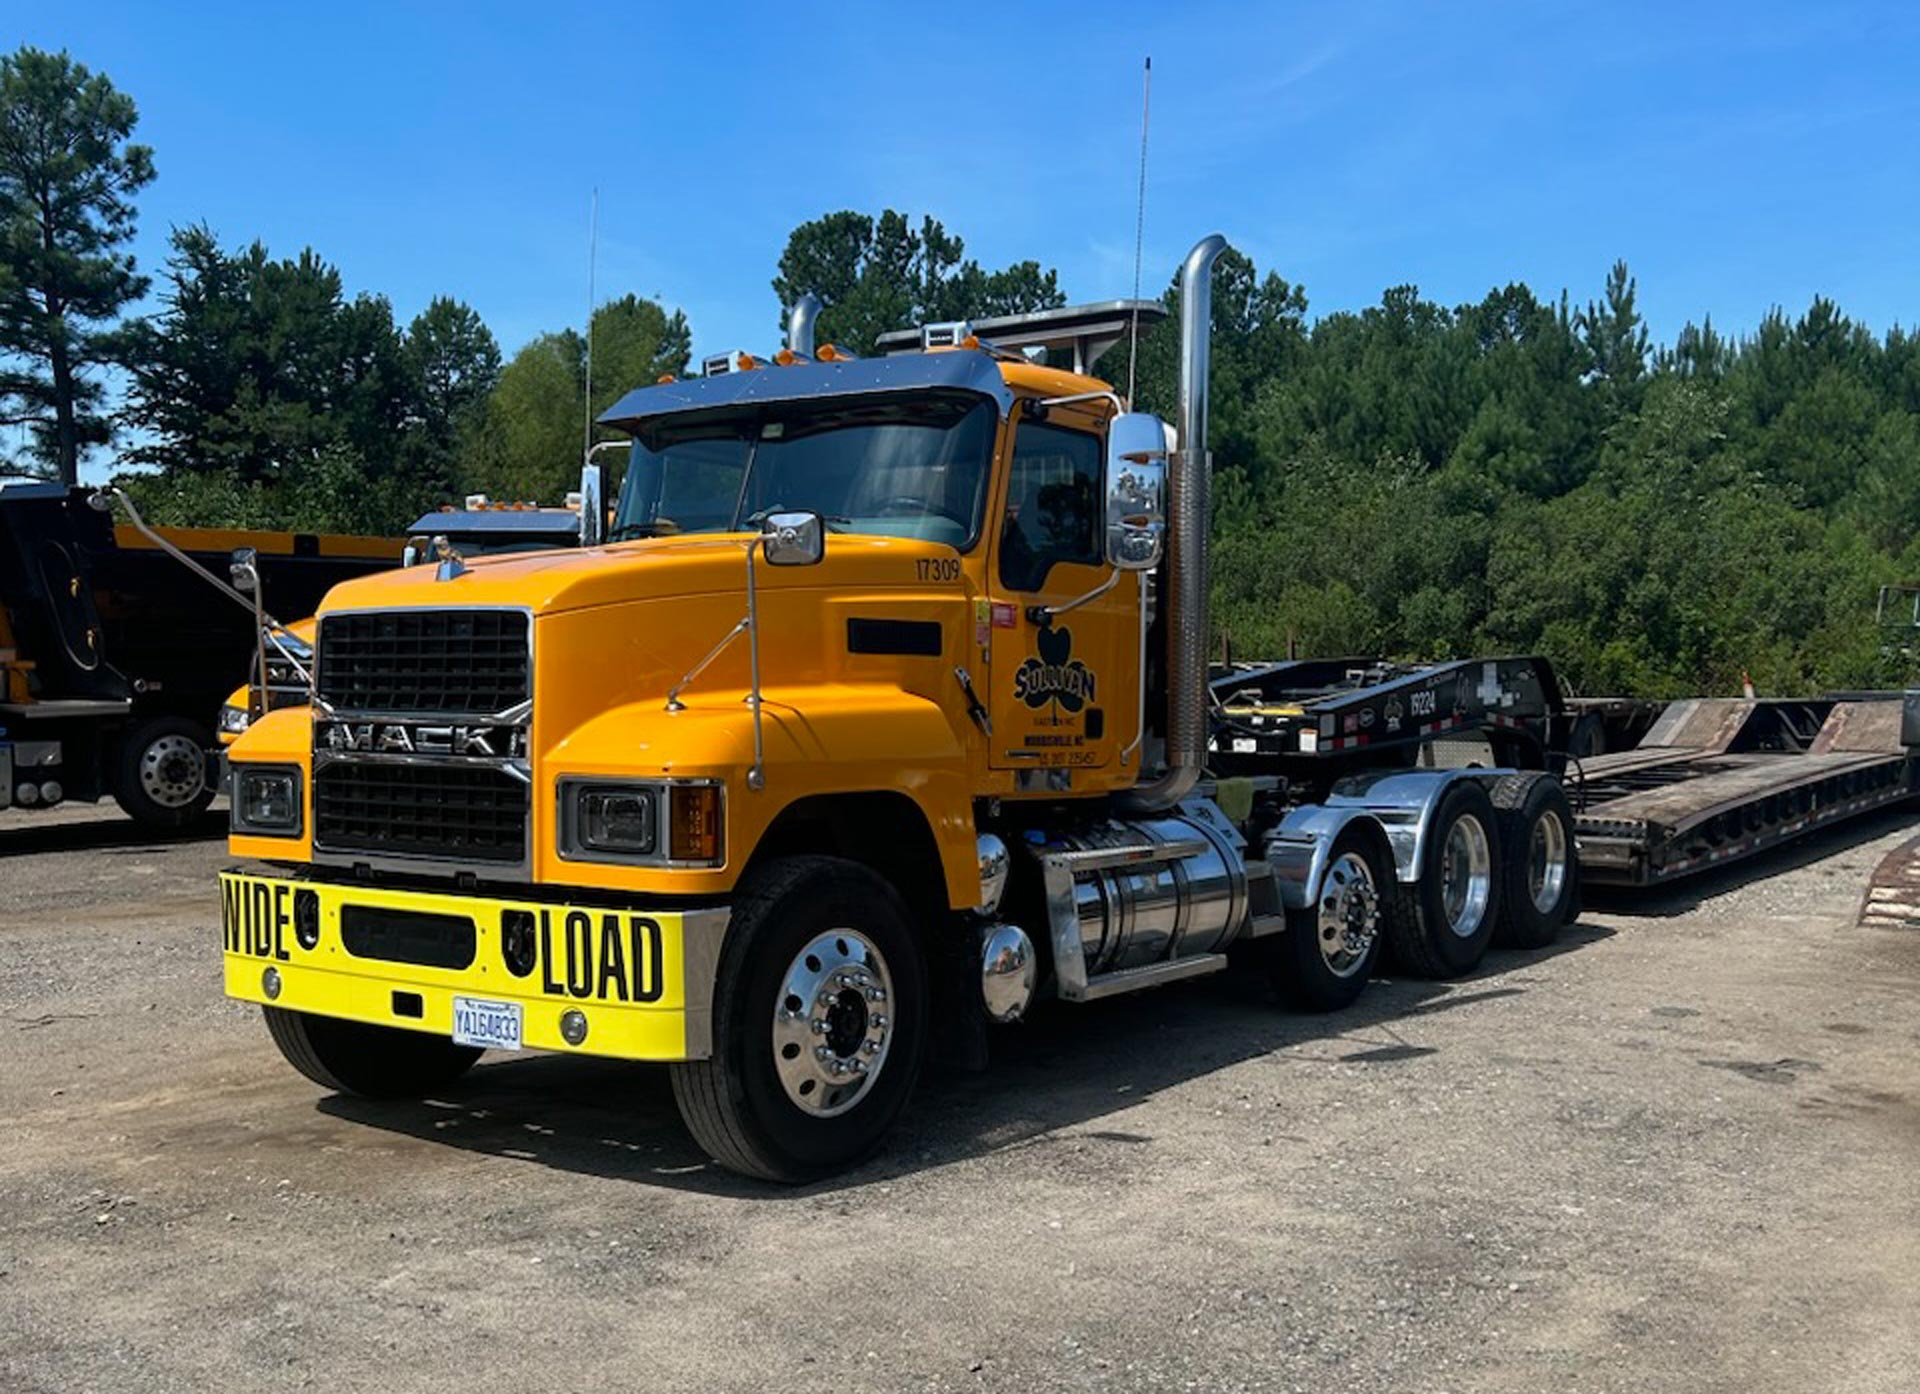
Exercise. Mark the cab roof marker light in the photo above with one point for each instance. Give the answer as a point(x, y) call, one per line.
point(738, 361)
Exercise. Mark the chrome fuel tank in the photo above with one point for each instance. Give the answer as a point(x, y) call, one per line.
point(1167, 905)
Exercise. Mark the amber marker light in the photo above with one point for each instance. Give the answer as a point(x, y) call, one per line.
point(693, 819)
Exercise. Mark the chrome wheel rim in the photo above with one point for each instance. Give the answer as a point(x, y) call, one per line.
point(1349, 916)
point(1547, 862)
point(832, 1023)
point(173, 771)
point(1466, 875)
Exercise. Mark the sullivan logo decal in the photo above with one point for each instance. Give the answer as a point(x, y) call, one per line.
point(479, 741)
point(1054, 675)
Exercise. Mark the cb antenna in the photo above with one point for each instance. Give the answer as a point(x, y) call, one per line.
point(593, 256)
point(1139, 233)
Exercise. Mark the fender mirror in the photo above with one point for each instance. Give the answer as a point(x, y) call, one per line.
point(1136, 483)
point(798, 538)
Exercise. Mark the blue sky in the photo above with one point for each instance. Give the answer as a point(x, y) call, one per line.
point(1737, 155)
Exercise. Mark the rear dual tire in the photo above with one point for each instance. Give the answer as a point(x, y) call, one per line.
point(1498, 866)
point(1541, 890)
point(1325, 958)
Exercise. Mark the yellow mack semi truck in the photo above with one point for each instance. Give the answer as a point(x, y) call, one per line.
point(878, 713)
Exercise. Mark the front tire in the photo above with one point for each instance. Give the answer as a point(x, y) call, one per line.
point(1327, 955)
point(374, 1062)
point(161, 781)
point(819, 1023)
point(1455, 903)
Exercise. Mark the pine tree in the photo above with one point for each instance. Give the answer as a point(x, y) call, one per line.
point(68, 173)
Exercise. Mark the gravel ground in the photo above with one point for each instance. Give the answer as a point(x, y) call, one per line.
point(1681, 1152)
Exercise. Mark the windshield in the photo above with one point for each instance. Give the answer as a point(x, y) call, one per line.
point(896, 467)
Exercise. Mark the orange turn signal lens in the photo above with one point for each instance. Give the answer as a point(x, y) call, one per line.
point(693, 822)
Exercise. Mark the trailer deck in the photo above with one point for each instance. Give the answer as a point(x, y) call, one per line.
point(1721, 779)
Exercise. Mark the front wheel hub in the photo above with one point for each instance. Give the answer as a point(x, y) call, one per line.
point(832, 1023)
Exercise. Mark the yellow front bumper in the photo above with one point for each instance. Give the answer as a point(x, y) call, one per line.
point(642, 978)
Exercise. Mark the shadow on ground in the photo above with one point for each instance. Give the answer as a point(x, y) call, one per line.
point(1685, 896)
point(104, 834)
point(1065, 1070)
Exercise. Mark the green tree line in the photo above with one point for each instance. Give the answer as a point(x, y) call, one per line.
point(1517, 475)
point(1413, 479)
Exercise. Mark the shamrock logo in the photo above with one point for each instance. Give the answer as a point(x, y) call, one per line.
point(1054, 675)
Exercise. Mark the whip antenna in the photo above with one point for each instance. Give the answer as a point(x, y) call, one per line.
point(593, 252)
point(1139, 232)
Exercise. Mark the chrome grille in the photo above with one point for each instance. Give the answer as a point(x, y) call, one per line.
point(412, 680)
point(457, 813)
point(453, 662)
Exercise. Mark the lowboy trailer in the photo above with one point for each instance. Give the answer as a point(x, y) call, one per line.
point(1713, 780)
point(1719, 779)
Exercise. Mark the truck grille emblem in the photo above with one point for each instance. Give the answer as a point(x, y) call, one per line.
point(474, 741)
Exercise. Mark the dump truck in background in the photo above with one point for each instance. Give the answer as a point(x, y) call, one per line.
point(115, 659)
point(880, 715)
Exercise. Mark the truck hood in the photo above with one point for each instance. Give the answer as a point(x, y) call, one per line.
point(646, 569)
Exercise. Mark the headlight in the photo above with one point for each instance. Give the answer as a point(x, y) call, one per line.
point(616, 820)
point(676, 823)
point(234, 720)
point(266, 801)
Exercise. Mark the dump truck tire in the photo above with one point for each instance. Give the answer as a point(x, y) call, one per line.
point(819, 1023)
point(1542, 870)
point(1447, 916)
point(1327, 955)
point(374, 1062)
point(161, 781)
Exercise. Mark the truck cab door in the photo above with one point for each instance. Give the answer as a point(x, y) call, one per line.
point(1065, 694)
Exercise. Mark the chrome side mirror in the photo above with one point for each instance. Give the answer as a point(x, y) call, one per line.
point(593, 504)
point(244, 570)
point(793, 539)
point(1136, 491)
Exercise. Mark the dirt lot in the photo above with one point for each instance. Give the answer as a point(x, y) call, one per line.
point(1681, 1153)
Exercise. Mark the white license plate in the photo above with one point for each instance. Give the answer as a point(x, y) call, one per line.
point(489, 1025)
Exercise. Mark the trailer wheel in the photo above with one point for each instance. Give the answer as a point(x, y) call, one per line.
point(162, 777)
point(1455, 903)
point(819, 1023)
point(1542, 890)
point(374, 1062)
point(1323, 961)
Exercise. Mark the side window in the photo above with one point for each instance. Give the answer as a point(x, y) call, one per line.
point(1052, 504)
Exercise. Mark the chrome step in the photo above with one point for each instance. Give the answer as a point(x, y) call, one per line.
point(1152, 975)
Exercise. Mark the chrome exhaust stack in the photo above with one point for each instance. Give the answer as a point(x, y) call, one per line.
point(1184, 577)
point(800, 324)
